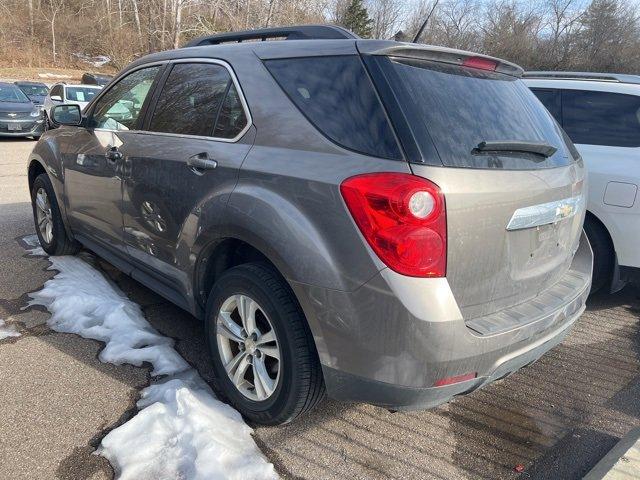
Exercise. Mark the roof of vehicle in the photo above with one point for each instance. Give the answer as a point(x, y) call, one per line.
point(584, 76)
point(29, 82)
point(313, 40)
point(83, 85)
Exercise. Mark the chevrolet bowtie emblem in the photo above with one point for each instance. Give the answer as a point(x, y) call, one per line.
point(13, 114)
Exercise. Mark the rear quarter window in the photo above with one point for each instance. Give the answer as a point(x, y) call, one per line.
point(337, 96)
point(601, 118)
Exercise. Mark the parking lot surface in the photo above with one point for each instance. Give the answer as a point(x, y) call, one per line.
point(555, 419)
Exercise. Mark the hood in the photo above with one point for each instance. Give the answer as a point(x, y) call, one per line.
point(17, 107)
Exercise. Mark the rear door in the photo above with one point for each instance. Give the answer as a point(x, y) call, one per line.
point(502, 247)
point(179, 171)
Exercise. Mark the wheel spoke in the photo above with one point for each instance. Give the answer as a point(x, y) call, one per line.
point(238, 376)
point(247, 310)
point(41, 202)
point(268, 337)
point(271, 351)
point(262, 381)
point(228, 328)
point(49, 230)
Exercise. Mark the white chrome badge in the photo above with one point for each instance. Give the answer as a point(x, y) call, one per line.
point(545, 213)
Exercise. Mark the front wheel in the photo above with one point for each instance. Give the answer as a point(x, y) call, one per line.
point(48, 219)
point(263, 353)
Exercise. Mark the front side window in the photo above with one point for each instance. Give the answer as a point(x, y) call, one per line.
point(337, 97)
point(56, 91)
point(601, 118)
point(119, 108)
point(199, 99)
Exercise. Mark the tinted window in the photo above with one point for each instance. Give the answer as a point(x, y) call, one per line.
point(119, 108)
point(231, 119)
point(33, 89)
point(191, 99)
point(601, 118)
point(551, 100)
point(336, 95)
point(56, 91)
point(458, 107)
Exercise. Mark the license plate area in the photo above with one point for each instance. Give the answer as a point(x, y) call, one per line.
point(14, 127)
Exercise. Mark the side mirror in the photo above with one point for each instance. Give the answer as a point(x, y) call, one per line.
point(56, 98)
point(66, 115)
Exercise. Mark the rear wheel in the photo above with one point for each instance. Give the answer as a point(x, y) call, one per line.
point(263, 353)
point(603, 253)
point(48, 220)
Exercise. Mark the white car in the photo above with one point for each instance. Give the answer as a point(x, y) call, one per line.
point(61, 93)
point(601, 115)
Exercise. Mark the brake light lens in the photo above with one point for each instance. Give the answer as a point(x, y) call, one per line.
point(403, 219)
point(481, 63)
point(456, 379)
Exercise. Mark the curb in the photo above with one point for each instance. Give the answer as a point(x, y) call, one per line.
point(622, 461)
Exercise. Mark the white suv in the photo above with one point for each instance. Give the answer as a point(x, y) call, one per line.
point(601, 115)
point(61, 93)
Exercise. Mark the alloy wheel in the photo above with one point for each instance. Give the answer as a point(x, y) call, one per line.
point(248, 347)
point(43, 215)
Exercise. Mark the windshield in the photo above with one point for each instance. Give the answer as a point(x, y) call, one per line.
point(81, 94)
point(456, 108)
point(11, 93)
point(34, 90)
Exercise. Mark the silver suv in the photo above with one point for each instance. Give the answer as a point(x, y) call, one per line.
point(390, 223)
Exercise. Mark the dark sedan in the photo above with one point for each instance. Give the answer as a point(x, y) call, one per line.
point(36, 91)
point(19, 116)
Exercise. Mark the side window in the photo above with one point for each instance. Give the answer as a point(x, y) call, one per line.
point(601, 118)
point(194, 97)
point(550, 98)
point(336, 95)
point(119, 108)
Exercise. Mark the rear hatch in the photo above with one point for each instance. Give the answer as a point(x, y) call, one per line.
point(514, 203)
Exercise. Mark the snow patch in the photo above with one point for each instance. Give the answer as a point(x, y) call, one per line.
point(182, 430)
point(7, 331)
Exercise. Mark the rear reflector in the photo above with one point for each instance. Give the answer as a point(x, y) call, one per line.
point(481, 63)
point(457, 379)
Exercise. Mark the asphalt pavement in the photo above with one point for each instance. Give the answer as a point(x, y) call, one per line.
point(554, 419)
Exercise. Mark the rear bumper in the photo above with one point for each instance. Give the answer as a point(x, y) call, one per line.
point(386, 345)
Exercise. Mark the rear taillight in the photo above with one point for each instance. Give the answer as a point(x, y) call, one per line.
point(403, 218)
point(481, 63)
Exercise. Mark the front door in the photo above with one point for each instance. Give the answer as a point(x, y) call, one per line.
point(198, 134)
point(93, 163)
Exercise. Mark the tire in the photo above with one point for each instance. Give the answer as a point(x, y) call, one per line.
point(299, 385)
point(603, 253)
point(59, 243)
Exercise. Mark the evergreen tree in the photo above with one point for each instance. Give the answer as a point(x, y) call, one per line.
point(356, 18)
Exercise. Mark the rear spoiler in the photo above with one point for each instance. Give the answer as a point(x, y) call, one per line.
point(441, 54)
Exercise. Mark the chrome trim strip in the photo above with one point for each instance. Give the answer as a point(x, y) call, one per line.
point(545, 213)
point(234, 79)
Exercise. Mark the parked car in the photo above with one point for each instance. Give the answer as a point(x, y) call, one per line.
point(393, 223)
point(601, 114)
point(96, 79)
point(36, 91)
point(19, 117)
point(61, 93)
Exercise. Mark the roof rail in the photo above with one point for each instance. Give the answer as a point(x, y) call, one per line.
point(300, 32)
point(599, 77)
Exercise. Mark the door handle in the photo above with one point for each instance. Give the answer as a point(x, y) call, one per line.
point(201, 162)
point(113, 154)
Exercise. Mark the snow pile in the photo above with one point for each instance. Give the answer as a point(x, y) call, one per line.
point(182, 430)
point(7, 331)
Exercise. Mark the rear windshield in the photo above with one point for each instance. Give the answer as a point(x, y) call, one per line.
point(458, 107)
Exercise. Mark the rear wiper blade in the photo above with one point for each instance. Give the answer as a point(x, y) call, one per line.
point(539, 148)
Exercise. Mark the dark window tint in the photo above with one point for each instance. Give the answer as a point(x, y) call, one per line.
point(191, 99)
point(57, 91)
point(551, 100)
point(336, 95)
point(232, 118)
point(458, 107)
point(601, 118)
